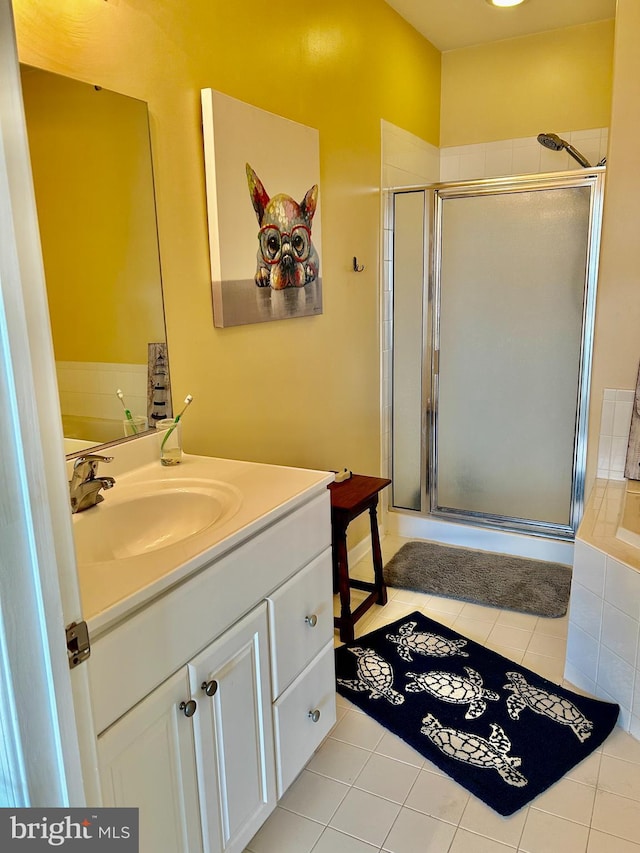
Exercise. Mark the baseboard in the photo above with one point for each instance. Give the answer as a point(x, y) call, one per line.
point(359, 551)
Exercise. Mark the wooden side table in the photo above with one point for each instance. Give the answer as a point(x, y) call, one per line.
point(349, 500)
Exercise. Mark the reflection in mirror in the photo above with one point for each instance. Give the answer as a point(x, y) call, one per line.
point(93, 179)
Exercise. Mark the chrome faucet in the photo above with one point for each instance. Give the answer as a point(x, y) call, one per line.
point(84, 486)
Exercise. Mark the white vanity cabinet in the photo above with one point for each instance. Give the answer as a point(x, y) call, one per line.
point(197, 755)
point(147, 759)
point(205, 748)
point(234, 734)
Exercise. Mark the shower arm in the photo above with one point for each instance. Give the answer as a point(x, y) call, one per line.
point(577, 155)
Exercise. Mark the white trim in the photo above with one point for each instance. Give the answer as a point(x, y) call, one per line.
point(40, 590)
point(360, 550)
point(13, 786)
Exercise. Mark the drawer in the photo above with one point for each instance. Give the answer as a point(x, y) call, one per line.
point(300, 620)
point(297, 735)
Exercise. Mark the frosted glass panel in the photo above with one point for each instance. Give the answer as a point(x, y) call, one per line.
point(511, 300)
point(408, 286)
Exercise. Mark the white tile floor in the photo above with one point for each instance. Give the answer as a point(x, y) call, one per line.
point(364, 790)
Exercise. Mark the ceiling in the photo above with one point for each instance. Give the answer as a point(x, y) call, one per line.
point(451, 24)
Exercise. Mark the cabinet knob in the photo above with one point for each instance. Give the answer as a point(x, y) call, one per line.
point(312, 620)
point(314, 715)
point(210, 687)
point(188, 708)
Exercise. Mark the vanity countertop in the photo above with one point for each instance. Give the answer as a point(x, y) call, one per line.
point(114, 588)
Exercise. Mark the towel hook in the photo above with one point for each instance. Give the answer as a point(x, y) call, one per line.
point(357, 268)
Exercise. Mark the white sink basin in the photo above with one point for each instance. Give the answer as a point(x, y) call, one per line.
point(139, 518)
point(158, 526)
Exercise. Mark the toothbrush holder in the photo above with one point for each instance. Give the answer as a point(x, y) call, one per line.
point(135, 425)
point(170, 441)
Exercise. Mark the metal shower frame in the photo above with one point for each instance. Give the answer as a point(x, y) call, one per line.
point(592, 178)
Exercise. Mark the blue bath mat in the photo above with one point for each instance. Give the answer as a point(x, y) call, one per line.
point(501, 731)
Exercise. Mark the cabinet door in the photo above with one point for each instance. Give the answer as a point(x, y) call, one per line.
point(147, 760)
point(234, 733)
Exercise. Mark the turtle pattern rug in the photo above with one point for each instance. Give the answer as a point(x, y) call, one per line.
point(501, 731)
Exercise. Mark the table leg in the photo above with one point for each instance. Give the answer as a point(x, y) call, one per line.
point(377, 556)
point(346, 622)
point(334, 561)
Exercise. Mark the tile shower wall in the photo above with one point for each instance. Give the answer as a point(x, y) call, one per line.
point(521, 156)
point(407, 160)
point(88, 389)
point(615, 421)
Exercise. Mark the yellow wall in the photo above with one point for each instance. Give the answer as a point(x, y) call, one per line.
point(555, 81)
point(304, 391)
point(617, 334)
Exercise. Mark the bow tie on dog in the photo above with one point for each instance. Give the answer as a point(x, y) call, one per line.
point(286, 254)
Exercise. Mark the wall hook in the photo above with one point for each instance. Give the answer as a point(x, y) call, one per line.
point(357, 268)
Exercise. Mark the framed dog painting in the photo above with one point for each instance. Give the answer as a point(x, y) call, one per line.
point(263, 207)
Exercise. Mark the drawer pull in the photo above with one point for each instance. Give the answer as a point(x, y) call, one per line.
point(312, 620)
point(314, 715)
point(188, 708)
point(210, 687)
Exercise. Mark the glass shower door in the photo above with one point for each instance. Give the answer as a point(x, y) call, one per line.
point(514, 280)
point(407, 419)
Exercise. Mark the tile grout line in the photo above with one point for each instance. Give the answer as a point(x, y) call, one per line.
point(417, 811)
point(403, 804)
point(595, 796)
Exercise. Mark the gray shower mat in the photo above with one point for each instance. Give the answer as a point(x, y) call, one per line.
point(498, 580)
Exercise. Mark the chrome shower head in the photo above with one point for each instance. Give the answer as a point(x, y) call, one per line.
point(550, 140)
point(553, 141)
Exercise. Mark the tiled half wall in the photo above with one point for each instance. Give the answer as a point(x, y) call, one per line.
point(604, 632)
point(89, 388)
point(615, 421)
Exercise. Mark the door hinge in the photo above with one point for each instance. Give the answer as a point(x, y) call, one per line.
point(78, 647)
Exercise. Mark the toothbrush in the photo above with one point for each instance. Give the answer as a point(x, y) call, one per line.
point(128, 414)
point(187, 401)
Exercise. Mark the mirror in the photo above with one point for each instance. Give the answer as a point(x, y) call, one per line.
point(92, 173)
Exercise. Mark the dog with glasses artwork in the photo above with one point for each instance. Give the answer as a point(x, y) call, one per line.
point(286, 254)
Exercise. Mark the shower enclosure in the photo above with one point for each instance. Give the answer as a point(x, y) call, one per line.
point(493, 297)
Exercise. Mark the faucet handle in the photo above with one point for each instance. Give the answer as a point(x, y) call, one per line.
point(87, 465)
point(92, 457)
